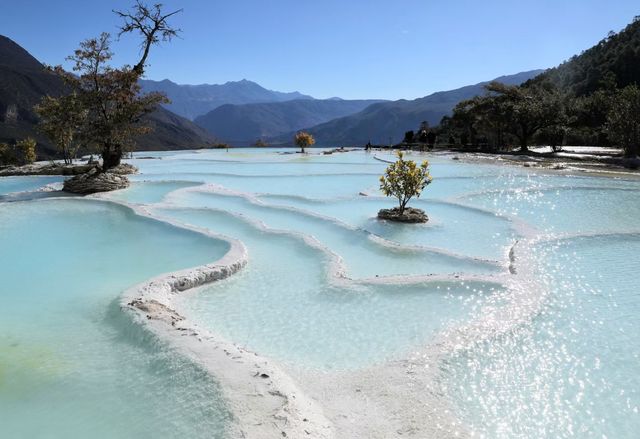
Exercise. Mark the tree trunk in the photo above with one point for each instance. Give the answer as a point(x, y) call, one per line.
point(524, 147)
point(403, 204)
point(631, 151)
point(111, 157)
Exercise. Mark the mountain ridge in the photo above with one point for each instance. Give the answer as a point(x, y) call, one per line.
point(245, 124)
point(193, 100)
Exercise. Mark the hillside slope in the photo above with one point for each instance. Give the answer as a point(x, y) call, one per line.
point(613, 61)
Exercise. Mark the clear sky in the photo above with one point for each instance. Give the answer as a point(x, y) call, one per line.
point(349, 48)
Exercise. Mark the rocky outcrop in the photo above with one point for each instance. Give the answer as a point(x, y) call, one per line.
point(45, 169)
point(95, 181)
point(124, 169)
point(410, 215)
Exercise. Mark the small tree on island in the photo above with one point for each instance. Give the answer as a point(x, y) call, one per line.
point(404, 179)
point(304, 140)
point(260, 143)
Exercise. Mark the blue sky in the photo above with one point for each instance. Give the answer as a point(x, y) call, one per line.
point(349, 48)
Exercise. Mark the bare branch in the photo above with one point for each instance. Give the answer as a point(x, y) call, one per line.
point(151, 23)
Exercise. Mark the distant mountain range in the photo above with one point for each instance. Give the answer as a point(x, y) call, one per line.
point(24, 81)
point(387, 121)
point(237, 112)
point(191, 101)
point(244, 124)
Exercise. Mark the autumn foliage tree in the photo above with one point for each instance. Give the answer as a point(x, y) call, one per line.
point(303, 140)
point(61, 120)
point(404, 179)
point(107, 108)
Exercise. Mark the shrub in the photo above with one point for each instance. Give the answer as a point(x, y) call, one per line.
point(7, 155)
point(26, 149)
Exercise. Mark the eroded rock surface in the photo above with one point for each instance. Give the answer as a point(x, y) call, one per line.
point(410, 215)
point(95, 181)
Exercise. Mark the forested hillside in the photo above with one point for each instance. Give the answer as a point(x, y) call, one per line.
point(614, 61)
point(592, 99)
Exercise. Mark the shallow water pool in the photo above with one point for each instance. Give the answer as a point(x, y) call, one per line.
point(71, 364)
point(74, 365)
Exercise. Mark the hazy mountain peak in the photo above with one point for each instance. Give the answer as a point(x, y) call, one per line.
point(194, 100)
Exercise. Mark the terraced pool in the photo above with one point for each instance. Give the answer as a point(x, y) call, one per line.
point(513, 313)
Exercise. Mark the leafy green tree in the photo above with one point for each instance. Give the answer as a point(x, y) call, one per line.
point(527, 110)
point(481, 117)
point(587, 118)
point(423, 132)
point(409, 137)
point(623, 120)
point(303, 140)
point(404, 179)
point(431, 139)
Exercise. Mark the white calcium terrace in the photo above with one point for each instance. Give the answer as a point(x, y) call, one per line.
point(512, 313)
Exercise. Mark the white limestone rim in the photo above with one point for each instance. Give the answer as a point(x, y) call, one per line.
point(520, 226)
point(388, 244)
point(435, 351)
point(473, 332)
point(150, 304)
point(388, 367)
point(155, 312)
point(274, 176)
point(264, 401)
point(523, 306)
point(336, 270)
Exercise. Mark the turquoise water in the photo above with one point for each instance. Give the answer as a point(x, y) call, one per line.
point(448, 227)
point(12, 185)
point(570, 371)
point(574, 371)
point(148, 192)
point(362, 256)
point(71, 364)
point(282, 306)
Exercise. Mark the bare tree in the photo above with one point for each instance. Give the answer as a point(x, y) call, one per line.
point(151, 23)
